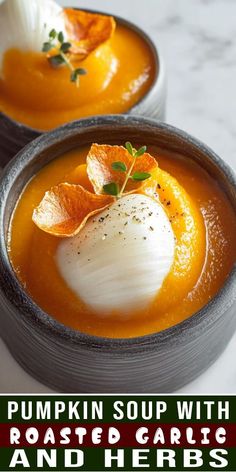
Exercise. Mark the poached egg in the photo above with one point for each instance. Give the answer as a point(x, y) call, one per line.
point(120, 259)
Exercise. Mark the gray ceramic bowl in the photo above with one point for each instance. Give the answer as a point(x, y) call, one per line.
point(70, 361)
point(15, 135)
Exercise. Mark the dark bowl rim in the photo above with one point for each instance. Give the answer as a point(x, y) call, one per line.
point(159, 66)
point(47, 323)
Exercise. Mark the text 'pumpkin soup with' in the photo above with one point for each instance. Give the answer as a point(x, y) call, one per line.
point(59, 64)
point(120, 242)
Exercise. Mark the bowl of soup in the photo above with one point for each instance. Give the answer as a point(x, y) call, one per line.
point(119, 71)
point(117, 259)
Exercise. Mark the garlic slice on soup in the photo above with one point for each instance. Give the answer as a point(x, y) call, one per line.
point(119, 260)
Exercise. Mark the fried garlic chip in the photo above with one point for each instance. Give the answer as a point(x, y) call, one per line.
point(100, 172)
point(65, 208)
point(87, 30)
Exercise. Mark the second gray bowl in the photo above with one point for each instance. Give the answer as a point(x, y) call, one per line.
point(14, 135)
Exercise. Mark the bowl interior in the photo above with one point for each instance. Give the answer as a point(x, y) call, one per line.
point(111, 130)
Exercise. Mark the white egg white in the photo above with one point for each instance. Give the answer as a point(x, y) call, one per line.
point(26, 24)
point(121, 257)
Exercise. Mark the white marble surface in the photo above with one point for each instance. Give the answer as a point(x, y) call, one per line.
point(197, 40)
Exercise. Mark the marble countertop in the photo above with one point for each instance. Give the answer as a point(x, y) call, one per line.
point(197, 41)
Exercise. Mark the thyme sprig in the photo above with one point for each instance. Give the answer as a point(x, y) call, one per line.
point(113, 188)
point(62, 57)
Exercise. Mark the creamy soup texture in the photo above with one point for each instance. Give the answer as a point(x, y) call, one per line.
point(202, 220)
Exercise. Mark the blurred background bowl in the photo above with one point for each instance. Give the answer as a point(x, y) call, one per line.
point(15, 135)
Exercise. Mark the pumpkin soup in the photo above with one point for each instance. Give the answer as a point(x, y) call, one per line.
point(120, 242)
point(68, 64)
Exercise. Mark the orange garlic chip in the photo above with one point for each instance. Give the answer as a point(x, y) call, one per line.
point(100, 171)
point(87, 30)
point(65, 208)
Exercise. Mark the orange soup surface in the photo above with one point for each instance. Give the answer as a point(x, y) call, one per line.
point(203, 223)
point(119, 73)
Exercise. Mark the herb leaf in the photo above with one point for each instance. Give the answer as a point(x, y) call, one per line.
point(141, 176)
point(57, 60)
point(80, 71)
point(119, 166)
point(129, 148)
point(47, 46)
point(75, 74)
point(60, 37)
point(53, 34)
point(111, 189)
point(65, 47)
point(140, 151)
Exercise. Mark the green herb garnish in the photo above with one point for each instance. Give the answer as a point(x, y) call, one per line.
point(113, 188)
point(62, 56)
point(119, 166)
point(140, 176)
